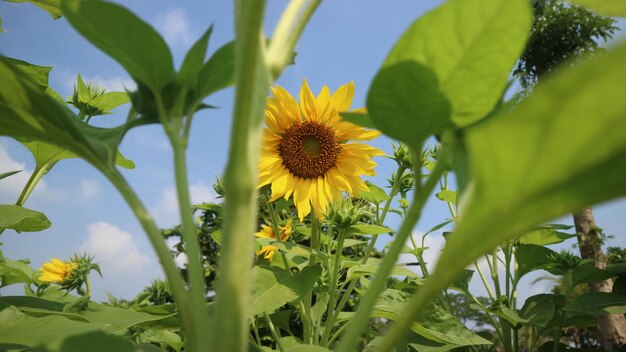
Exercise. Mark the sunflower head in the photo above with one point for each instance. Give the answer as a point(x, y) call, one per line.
point(56, 271)
point(306, 150)
point(268, 232)
point(267, 252)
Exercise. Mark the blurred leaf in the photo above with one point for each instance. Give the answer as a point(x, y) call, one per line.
point(95, 341)
point(595, 303)
point(53, 7)
point(273, 287)
point(461, 284)
point(10, 173)
point(161, 336)
point(369, 229)
point(375, 195)
point(447, 195)
point(588, 273)
point(306, 348)
point(439, 226)
point(22, 219)
point(500, 308)
point(358, 118)
point(542, 237)
point(119, 33)
point(218, 72)
point(562, 148)
point(355, 270)
point(614, 8)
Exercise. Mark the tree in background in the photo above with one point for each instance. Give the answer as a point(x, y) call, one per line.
point(564, 35)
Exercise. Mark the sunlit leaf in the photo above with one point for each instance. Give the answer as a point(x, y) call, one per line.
point(53, 7)
point(369, 229)
point(22, 219)
point(542, 237)
point(273, 287)
point(374, 195)
point(125, 37)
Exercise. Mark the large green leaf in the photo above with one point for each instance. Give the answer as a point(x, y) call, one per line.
point(22, 219)
point(52, 6)
point(94, 341)
point(616, 8)
point(562, 148)
point(595, 303)
point(125, 37)
point(15, 272)
point(218, 72)
point(273, 287)
point(27, 112)
point(471, 46)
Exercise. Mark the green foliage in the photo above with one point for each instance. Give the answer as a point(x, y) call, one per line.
point(577, 30)
point(53, 7)
point(614, 8)
point(19, 218)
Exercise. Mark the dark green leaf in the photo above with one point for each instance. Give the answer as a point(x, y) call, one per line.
point(531, 257)
point(217, 73)
point(461, 284)
point(10, 173)
point(125, 37)
point(539, 309)
point(595, 303)
point(588, 273)
point(53, 7)
point(22, 219)
point(306, 348)
point(273, 287)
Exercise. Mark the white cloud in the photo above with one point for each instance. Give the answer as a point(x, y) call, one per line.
point(89, 189)
point(115, 251)
point(118, 83)
point(165, 211)
point(174, 25)
point(11, 187)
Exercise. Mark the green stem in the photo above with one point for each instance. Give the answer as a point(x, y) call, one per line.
point(352, 335)
point(394, 191)
point(274, 332)
point(333, 297)
point(173, 275)
point(308, 299)
point(287, 32)
point(256, 332)
point(232, 305)
point(485, 283)
point(31, 183)
point(197, 286)
point(337, 334)
point(87, 285)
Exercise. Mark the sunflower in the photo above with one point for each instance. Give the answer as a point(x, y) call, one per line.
point(56, 271)
point(306, 151)
point(267, 232)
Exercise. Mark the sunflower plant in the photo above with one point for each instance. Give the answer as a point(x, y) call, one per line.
point(312, 279)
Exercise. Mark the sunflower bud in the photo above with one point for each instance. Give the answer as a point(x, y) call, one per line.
point(70, 275)
point(401, 155)
point(343, 213)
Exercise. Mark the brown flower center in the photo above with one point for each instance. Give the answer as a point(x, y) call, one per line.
point(309, 149)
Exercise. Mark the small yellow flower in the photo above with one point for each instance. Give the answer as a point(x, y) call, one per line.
point(267, 252)
point(56, 271)
point(268, 232)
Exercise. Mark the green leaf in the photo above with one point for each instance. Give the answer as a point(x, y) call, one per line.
point(542, 237)
point(10, 173)
point(119, 33)
point(375, 195)
point(22, 219)
point(588, 273)
point(564, 147)
point(15, 272)
point(501, 309)
point(530, 257)
point(27, 112)
point(470, 46)
point(194, 60)
point(109, 101)
point(614, 8)
point(217, 73)
point(596, 303)
point(53, 7)
point(45, 153)
point(95, 341)
point(447, 195)
point(540, 309)
point(306, 348)
point(358, 118)
point(273, 287)
point(369, 229)
point(461, 284)
point(38, 74)
point(160, 336)
point(405, 102)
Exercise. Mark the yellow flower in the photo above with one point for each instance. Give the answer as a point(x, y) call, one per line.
point(268, 232)
point(267, 252)
point(56, 271)
point(305, 151)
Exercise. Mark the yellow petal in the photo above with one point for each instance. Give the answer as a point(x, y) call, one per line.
point(342, 98)
point(307, 102)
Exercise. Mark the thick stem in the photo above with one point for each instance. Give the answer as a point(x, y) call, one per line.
point(351, 338)
point(197, 284)
point(232, 306)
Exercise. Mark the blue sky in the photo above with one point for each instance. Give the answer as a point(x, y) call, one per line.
point(345, 40)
